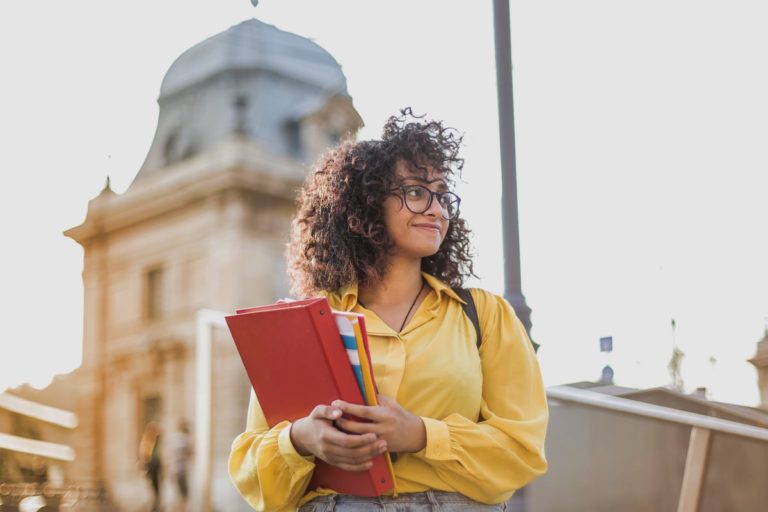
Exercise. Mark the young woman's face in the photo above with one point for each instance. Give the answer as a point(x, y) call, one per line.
point(415, 235)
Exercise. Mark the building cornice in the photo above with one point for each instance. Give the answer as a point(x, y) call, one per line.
point(235, 163)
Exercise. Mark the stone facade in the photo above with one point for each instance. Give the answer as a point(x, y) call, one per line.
point(760, 361)
point(199, 229)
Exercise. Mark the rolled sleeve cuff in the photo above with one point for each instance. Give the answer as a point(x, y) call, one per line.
point(294, 459)
point(438, 440)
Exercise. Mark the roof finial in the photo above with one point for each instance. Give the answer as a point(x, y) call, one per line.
point(107, 190)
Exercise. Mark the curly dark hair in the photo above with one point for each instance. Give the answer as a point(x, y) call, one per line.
point(338, 234)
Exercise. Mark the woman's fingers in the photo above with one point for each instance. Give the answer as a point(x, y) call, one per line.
point(325, 412)
point(336, 437)
point(386, 401)
point(355, 467)
point(357, 427)
point(367, 412)
point(353, 444)
point(317, 434)
point(354, 456)
point(338, 447)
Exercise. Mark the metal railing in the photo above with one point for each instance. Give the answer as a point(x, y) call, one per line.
point(702, 428)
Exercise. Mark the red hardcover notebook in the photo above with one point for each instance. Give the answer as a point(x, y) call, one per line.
point(295, 359)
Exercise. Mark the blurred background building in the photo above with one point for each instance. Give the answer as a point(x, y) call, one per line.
point(203, 226)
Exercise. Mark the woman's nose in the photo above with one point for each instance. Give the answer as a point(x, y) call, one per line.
point(434, 210)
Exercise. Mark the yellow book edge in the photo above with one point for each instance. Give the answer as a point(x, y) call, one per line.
point(370, 389)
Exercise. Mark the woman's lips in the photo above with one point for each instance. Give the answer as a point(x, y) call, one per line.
point(431, 227)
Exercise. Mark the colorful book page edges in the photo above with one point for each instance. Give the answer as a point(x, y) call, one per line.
point(362, 362)
point(362, 350)
point(347, 331)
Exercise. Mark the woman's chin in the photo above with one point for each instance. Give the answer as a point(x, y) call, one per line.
point(426, 252)
point(415, 253)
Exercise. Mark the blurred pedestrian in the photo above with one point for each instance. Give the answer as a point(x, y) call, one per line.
point(149, 457)
point(39, 471)
point(181, 453)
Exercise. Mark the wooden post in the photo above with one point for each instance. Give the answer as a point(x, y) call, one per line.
point(695, 470)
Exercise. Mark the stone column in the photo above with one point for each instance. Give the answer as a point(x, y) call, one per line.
point(90, 376)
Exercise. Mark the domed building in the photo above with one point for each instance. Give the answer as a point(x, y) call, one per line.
point(273, 88)
point(202, 227)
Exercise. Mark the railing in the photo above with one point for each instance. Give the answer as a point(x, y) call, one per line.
point(698, 445)
point(39, 412)
point(72, 497)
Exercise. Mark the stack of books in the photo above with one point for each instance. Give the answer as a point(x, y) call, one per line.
point(302, 354)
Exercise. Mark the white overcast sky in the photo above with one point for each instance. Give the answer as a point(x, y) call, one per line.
point(641, 153)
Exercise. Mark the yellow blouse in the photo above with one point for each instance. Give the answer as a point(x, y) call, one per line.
point(485, 411)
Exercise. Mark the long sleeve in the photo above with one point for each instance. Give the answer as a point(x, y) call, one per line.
point(265, 467)
point(488, 459)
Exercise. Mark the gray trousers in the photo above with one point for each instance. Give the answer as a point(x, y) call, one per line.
point(429, 501)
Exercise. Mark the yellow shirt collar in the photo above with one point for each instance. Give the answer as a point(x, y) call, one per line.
point(346, 298)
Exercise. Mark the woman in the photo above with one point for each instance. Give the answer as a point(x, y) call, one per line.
point(378, 232)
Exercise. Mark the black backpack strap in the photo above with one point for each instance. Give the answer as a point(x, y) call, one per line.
point(470, 310)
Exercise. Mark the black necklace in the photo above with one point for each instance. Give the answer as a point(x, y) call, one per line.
point(423, 283)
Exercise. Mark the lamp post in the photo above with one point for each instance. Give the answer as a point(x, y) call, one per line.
point(510, 225)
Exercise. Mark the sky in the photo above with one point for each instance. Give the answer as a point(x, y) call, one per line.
point(640, 137)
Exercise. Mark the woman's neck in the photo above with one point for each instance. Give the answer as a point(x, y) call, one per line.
point(401, 282)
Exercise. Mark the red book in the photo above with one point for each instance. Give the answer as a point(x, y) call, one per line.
point(295, 359)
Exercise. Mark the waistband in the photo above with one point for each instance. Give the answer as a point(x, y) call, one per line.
point(433, 498)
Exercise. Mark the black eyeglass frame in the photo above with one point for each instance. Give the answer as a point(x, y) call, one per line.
point(404, 197)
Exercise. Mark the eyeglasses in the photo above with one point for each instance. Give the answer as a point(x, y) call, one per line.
point(418, 199)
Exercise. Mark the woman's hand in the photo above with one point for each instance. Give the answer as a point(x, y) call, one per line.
point(316, 435)
point(402, 430)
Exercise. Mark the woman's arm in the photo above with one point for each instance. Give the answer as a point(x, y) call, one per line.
point(272, 467)
point(489, 459)
point(264, 465)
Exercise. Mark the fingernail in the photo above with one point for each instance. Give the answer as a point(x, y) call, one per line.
point(335, 403)
point(335, 413)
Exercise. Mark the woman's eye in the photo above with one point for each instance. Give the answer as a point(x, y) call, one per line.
point(414, 193)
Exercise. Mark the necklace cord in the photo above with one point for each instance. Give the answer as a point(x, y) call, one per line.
point(416, 298)
point(412, 304)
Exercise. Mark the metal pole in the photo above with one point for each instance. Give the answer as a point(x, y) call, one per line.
point(510, 227)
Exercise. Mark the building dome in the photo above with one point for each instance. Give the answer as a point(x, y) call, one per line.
point(253, 82)
point(254, 45)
